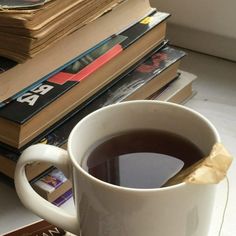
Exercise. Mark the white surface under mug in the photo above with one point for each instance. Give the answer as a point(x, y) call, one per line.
point(103, 209)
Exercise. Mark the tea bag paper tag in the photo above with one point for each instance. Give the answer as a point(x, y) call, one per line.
point(210, 170)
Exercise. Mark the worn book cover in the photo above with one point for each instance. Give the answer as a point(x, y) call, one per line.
point(38, 228)
point(58, 134)
point(59, 21)
point(142, 76)
point(125, 86)
point(32, 101)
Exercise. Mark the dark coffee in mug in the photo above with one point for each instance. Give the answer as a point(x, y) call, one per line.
point(140, 158)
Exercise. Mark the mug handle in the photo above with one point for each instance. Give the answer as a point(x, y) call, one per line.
point(46, 210)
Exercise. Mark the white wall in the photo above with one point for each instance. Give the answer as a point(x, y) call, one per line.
point(209, 24)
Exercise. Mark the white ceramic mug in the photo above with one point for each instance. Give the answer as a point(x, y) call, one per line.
point(103, 209)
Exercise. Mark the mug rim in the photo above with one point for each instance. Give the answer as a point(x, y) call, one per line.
point(120, 188)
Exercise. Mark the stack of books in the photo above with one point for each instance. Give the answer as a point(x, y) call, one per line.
point(27, 28)
point(119, 56)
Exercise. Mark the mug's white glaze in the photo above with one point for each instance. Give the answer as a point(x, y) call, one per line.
point(104, 209)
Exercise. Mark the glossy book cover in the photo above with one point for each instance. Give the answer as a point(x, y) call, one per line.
point(155, 63)
point(51, 180)
point(57, 134)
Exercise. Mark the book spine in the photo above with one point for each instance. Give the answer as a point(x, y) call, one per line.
point(53, 186)
point(159, 92)
point(88, 70)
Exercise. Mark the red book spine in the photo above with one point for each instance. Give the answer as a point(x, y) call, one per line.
point(88, 70)
point(62, 77)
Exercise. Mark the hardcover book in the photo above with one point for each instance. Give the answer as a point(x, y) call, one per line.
point(179, 90)
point(127, 84)
point(9, 155)
point(22, 128)
point(51, 184)
point(157, 71)
point(122, 89)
